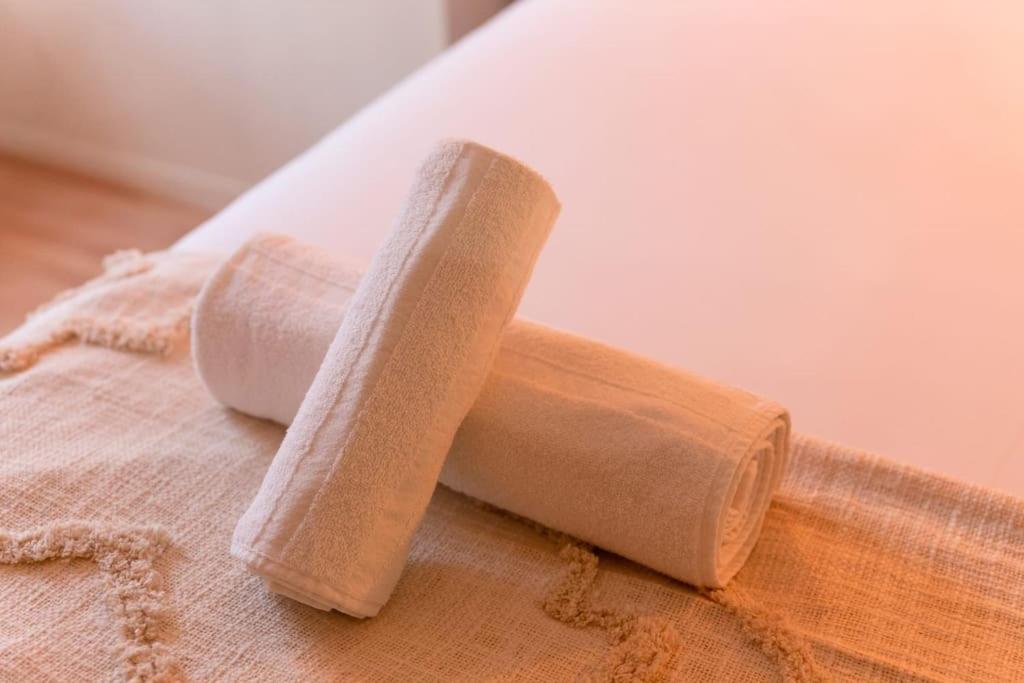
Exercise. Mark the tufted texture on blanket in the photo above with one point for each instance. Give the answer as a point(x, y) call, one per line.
point(865, 569)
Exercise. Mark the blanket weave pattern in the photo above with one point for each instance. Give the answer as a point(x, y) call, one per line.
point(865, 570)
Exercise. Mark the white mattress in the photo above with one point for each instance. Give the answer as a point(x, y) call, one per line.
point(820, 202)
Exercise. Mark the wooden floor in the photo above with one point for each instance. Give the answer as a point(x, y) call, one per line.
point(56, 226)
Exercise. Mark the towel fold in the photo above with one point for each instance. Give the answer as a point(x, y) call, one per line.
point(667, 469)
point(332, 522)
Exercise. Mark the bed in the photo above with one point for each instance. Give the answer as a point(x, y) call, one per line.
point(849, 251)
point(817, 202)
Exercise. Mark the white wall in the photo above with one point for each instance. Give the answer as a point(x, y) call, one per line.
point(197, 99)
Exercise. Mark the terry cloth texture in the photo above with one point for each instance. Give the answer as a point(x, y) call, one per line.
point(668, 469)
point(865, 570)
point(332, 523)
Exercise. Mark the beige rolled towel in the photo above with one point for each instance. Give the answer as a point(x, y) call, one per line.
point(670, 470)
point(332, 522)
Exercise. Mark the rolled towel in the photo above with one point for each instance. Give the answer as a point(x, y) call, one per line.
point(667, 469)
point(332, 522)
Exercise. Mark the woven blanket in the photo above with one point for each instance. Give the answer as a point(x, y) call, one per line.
point(121, 482)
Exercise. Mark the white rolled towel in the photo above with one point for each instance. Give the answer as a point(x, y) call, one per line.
point(667, 469)
point(332, 522)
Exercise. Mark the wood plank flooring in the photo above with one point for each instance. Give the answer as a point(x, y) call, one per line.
point(56, 226)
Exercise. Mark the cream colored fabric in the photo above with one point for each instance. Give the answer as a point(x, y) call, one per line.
point(865, 570)
point(667, 469)
point(332, 523)
point(98, 319)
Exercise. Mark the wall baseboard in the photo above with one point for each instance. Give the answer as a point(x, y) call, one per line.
point(185, 184)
